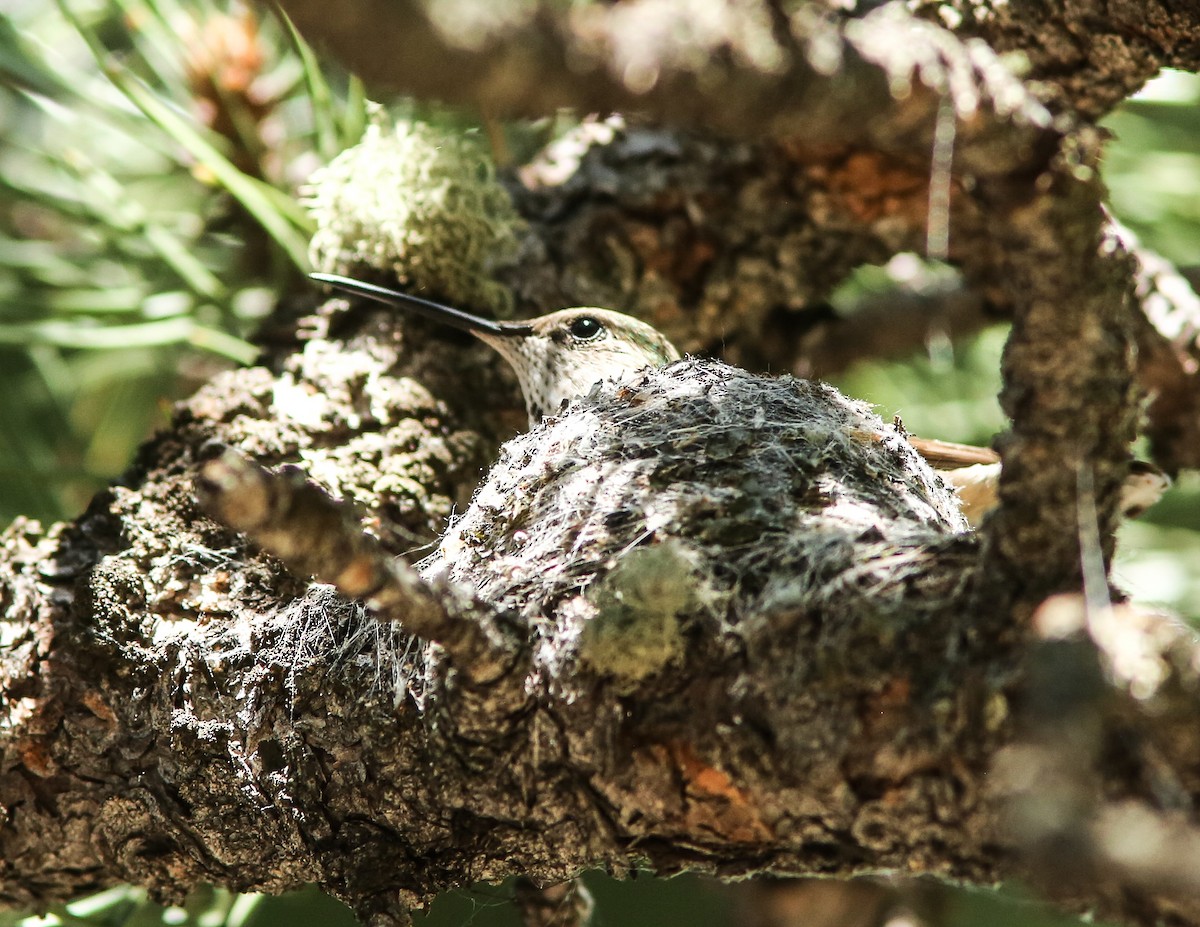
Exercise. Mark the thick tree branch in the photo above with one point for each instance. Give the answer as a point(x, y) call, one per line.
point(1070, 283)
point(1090, 55)
point(722, 247)
point(745, 70)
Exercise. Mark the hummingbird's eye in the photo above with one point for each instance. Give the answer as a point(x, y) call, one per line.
point(585, 328)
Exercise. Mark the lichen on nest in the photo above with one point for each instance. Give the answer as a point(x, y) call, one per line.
point(774, 494)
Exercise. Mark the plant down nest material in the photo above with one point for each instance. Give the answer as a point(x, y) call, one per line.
point(699, 494)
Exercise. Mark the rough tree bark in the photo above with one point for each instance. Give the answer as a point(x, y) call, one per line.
point(180, 708)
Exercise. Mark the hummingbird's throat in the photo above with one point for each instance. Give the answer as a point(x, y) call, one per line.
point(522, 355)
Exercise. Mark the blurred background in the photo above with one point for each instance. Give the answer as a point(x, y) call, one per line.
point(150, 156)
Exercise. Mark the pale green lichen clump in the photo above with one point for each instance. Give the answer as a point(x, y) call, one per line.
point(635, 631)
point(420, 204)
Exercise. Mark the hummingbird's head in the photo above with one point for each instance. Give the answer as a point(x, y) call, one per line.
point(557, 356)
point(561, 355)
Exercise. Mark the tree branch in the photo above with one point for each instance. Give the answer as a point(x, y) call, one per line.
point(568, 904)
point(297, 522)
point(893, 325)
point(1073, 422)
point(745, 70)
point(1089, 56)
point(743, 599)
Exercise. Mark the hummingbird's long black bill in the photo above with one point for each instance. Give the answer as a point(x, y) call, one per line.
point(426, 308)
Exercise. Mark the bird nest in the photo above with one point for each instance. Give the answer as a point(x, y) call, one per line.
point(698, 492)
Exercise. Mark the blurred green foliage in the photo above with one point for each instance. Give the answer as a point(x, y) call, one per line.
point(150, 151)
point(1152, 166)
point(641, 901)
point(150, 155)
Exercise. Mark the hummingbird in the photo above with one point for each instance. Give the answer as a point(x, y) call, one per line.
point(556, 357)
point(559, 356)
